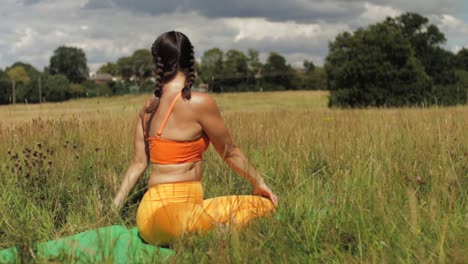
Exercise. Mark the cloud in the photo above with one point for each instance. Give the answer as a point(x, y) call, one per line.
point(451, 25)
point(108, 29)
point(278, 10)
point(375, 13)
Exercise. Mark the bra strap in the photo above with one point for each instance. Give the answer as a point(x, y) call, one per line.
point(169, 111)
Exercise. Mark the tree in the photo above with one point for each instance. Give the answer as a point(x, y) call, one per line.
point(19, 75)
point(142, 63)
point(255, 66)
point(212, 68)
point(426, 40)
point(5, 88)
point(375, 67)
point(71, 62)
point(319, 79)
point(57, 88)
point(29, 90)
point(276, 73)
point(235, 74)
point(253, 60)
point(125, 67)
point(462, 59)
point(110, 68)
point(309, 66)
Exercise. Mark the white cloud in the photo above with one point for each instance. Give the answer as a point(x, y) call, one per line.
point(374, 13)
point(455, 49)
point(258, 29)
point(451, 25)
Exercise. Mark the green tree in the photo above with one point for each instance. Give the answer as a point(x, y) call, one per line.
point(426, 40)
point(125, 67)
point(71, 62)
point(30, 90)
point(309, 66)
point(319, 79)
point(19, 75)
point(110, 68)
point(57, 88)
point(236, 73)
point(5, 88)
point(255, 67)
point(76, 90)
point(253, 58)
point(212, 68)
point(462, 59)
point(277, 74)
point(375, 67)
point(142, 63)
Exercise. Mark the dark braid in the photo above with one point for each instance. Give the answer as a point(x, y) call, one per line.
point(159, 76)
point(159, 70)
point(172, 52)
point(190, 76)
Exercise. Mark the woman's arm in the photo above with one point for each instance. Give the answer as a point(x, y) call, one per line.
point(137, 167)
point(213, 125)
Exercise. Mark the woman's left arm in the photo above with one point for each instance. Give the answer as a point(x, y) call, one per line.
point(137, 167)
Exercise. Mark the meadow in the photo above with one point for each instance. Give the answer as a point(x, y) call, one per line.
point(355, 185)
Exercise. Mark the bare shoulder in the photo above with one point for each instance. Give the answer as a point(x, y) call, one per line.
point(148, 102)
point(203, 101)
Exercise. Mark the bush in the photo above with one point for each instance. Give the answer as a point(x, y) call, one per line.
point(450, 94)
point(57, 88)
point(77, 90)
point(96, 89)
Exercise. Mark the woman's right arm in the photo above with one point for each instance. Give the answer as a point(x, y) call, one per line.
point(136, 168)
point(213, 125)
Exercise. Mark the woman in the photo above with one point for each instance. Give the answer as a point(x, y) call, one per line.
point(173, 132)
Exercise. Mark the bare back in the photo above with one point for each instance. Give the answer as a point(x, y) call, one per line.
point(182, 125)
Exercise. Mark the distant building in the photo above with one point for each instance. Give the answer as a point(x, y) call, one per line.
point(102, 77)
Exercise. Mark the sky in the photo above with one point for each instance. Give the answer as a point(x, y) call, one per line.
point(30, 30)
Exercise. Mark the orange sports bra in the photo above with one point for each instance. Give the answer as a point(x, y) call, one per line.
point(165, 151)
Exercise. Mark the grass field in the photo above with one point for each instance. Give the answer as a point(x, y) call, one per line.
point(368, 185)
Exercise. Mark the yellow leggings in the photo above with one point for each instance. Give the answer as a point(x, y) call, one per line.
point(167, 211)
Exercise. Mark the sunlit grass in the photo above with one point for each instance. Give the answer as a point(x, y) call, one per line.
point(371, 185)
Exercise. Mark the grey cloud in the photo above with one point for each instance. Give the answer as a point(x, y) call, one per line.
point(30, 2)
point(99, 4)
point(279, 10)
point(299, 10)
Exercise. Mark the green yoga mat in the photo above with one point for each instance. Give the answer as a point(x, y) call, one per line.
point(112, 244)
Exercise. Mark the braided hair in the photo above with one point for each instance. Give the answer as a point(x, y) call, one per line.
point(172, 52)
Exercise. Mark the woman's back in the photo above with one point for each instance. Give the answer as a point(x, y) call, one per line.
point(175, 137)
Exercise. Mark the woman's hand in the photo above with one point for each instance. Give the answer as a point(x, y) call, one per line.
point(265, 191)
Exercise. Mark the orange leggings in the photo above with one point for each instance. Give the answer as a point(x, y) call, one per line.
point(167, 211)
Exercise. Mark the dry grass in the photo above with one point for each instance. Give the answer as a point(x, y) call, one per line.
point(370, 185)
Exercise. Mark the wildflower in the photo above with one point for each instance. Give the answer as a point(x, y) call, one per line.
point(420, 180)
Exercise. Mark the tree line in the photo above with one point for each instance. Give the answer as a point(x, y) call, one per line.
point(400, 61)
point(67, 75)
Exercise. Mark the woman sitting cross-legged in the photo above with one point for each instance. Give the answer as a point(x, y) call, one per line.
point(174, 129)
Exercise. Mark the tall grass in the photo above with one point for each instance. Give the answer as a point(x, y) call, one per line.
point(370, 185)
